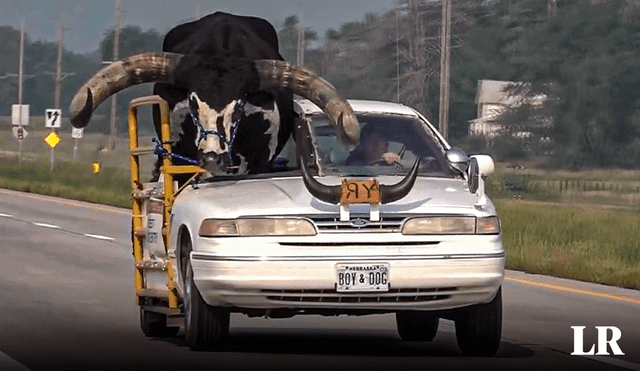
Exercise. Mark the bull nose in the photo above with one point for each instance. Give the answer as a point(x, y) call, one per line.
point(213, 162)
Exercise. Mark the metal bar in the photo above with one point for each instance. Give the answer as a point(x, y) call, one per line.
point(182, 169)
point(169, 197)
point(136, 206)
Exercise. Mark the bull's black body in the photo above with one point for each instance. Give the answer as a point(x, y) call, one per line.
point(220, 49)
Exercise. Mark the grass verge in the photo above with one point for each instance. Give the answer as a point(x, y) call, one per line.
point(69, 180)
point(585, 242)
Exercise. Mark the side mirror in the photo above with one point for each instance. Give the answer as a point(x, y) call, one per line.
point(479, 167)
point(458, 159)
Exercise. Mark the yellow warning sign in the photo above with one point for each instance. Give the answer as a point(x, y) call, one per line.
point(52, 139)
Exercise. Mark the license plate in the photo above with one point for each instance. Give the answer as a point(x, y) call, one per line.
point(362, 277)
point(359, 192)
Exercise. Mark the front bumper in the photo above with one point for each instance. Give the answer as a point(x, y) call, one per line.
point(437, 274)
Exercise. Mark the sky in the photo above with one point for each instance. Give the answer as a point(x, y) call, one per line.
point(87, 20)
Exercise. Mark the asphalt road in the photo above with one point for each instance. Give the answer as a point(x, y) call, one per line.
point(67, 303)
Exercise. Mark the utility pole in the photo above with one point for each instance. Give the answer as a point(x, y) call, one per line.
point(445, 62)
point(301, 43)
point(58, 77)
point(20, 77)
point(116, 42)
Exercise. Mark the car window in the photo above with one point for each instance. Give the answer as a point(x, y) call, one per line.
point(389, 145)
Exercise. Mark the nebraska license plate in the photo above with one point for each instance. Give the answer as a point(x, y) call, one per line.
point(362, 277)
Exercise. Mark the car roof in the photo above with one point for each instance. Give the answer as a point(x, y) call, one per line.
point(360, 106)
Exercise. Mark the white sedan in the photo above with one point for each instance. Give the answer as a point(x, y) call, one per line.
point(399, 224)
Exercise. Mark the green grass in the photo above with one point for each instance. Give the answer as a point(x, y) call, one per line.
point(589, 243)
point(70, 180)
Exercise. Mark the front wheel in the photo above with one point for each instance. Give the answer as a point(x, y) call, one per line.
point(479, 328)
point(416, 325)
point(206, 327)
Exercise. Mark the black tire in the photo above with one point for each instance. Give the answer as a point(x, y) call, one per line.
point(155, 325)
point(479, 329)
point(416, 325)
point(206, 327)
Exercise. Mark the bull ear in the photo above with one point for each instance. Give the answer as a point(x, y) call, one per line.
point(193, 102)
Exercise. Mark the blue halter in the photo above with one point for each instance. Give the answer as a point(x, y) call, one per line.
point(204, 133)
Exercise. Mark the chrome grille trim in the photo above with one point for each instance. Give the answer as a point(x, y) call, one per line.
point(332, 224)
point(332, 296)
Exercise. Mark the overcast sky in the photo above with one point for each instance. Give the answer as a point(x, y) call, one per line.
point(87, 20)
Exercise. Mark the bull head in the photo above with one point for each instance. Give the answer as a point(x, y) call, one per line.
point(235, 77)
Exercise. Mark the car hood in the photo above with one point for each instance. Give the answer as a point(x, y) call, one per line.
point(289, 196)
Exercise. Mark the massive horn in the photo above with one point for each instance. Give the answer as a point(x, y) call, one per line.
point(331, 194)
point(137, 69)
point(391, 193)
point(299, 80)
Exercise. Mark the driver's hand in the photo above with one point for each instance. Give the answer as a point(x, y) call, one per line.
point(390, 157)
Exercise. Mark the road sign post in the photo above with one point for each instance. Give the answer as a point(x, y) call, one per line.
point(53, 120)
point(52, 140)
point(20, 118)
point(76, 133)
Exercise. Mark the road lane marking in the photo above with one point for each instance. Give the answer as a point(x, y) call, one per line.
point(99, 237)
point(9, 364)
point(615, 362)
point(68, 202)
point(46, 225)
point(573, 290)
point(53, 226)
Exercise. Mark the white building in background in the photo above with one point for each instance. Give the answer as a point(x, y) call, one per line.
point(493, 98)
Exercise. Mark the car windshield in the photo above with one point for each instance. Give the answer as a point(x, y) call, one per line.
point(389, 145)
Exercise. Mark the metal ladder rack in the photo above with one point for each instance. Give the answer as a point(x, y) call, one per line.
point(165, 301)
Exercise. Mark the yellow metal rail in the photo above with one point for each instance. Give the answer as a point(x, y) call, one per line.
point(168, 170)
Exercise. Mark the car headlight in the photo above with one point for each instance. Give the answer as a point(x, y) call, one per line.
point(256, 227)
point(452, 225)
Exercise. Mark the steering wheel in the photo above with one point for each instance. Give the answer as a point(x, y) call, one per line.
point(382, 161)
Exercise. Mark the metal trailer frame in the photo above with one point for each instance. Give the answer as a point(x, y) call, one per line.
point(160, 301)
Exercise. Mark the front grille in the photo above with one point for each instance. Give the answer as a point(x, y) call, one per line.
point(332, 224)
point(332, 296)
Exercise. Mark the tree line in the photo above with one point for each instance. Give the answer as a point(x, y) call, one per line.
point(580, 55)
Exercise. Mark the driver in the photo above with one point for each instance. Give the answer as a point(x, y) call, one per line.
point(371, 149)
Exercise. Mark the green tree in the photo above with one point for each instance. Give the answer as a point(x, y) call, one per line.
point(133, 40)
point(288, 39)
point(584, 57)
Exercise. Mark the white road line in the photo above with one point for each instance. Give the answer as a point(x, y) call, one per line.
point(47, 225)
point(9, 364)
point(6, 215)
point(615, 362)
point(68, 202)
point(99, 237)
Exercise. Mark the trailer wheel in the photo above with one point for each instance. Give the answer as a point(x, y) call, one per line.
point(205, 327)
point(155, 325)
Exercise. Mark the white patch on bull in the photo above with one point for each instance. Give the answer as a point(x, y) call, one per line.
point(178, 114)
point(209, 120)
point(273, 116)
